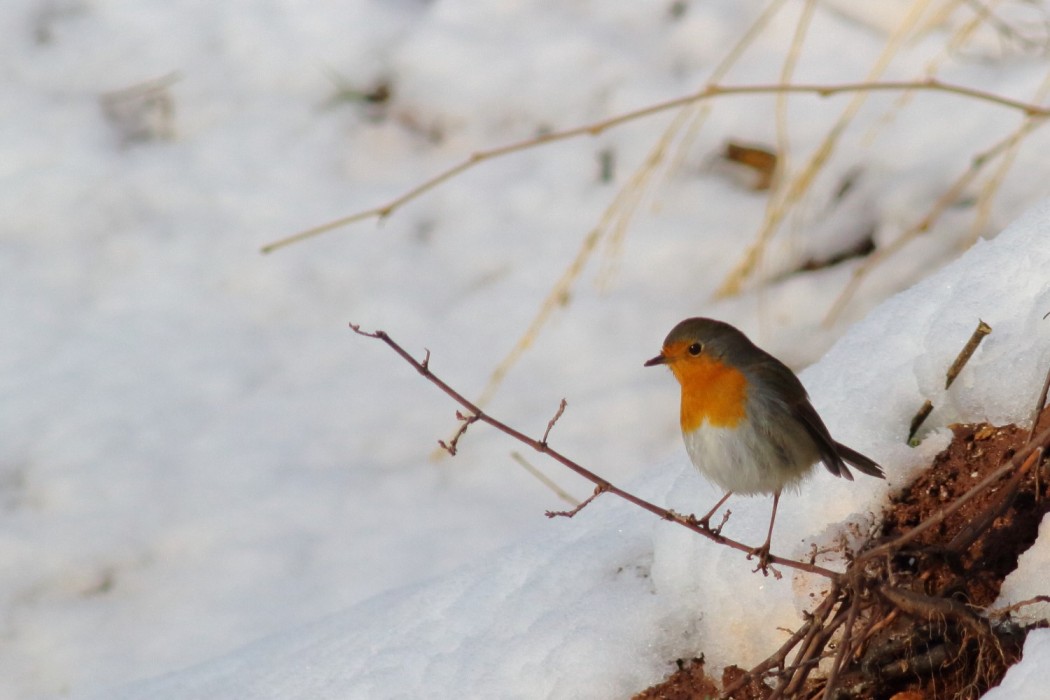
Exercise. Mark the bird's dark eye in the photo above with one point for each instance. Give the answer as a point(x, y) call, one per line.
point(695, 349)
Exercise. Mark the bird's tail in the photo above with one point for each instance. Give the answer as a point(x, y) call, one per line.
point(862, 463)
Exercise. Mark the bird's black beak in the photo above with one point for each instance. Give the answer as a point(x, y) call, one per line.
point(658, 360)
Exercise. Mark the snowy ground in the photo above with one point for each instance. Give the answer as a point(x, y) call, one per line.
point(196, 452)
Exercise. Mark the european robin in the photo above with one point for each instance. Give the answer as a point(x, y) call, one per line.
point(747, 421)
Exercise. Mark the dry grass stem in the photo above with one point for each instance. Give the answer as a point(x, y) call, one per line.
point(950, 196)
point(986, 14)
point(1040, 404)
point(979, 333)
point(787, 72)
point(991, 187)
point(919, 418)
point(544, 479)
point(794, 190)
point(556, 298)
point(956, 42)
point(595, 128)
point(698, 112)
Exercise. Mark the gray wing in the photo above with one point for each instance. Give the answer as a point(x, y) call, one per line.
point(828, 448)
point(833, 454)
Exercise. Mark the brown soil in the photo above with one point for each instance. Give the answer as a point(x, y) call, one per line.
point(689, 682)
point(922, 628)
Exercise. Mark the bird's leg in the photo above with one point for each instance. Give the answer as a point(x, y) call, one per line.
point(763, 552)
point(705, 522)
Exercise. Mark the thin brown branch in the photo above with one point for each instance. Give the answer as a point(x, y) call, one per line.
point(813, 652)
point(552, 421)
point(812, 626)
point(844, 645)
point(598, 491)
point(595, 128)
point(464, 422)
point(687, 521)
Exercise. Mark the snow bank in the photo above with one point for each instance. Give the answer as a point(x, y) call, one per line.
point(601, 605)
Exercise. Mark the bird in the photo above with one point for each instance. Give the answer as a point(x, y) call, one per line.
point(747, 421)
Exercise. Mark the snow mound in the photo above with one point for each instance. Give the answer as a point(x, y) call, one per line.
point(601, 605)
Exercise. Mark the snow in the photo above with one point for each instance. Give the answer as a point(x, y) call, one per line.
point(594, 607)
point(202, 468)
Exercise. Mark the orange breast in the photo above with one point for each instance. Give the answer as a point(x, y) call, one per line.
point(711, 391)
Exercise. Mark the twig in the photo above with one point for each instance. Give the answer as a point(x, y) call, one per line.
point(598, 491)
point(782, 161)
point(844, 644)
point(1039, 405)
point(813, 653)
point(992, 185)
point(961, 359)
point(476, 414)
point(552, 421)
point(554, 300)
point(465, 422)
point(698, 113)
point(917, 420)
point(595, 128)
point(801, 638)
point(612, 224)
point(978, 335)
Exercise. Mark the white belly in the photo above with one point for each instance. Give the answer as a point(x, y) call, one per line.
point(742, 461)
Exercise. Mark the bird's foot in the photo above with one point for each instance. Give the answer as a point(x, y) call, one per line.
point(763, 561)
point(705, 522)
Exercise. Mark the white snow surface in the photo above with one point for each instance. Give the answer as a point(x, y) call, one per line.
point(594, 607)
point(202, 468)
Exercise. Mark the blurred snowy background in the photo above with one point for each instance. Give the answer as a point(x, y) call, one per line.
point(195, 451)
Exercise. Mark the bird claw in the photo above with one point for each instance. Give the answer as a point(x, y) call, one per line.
point(763, 561)
point(705, 522)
